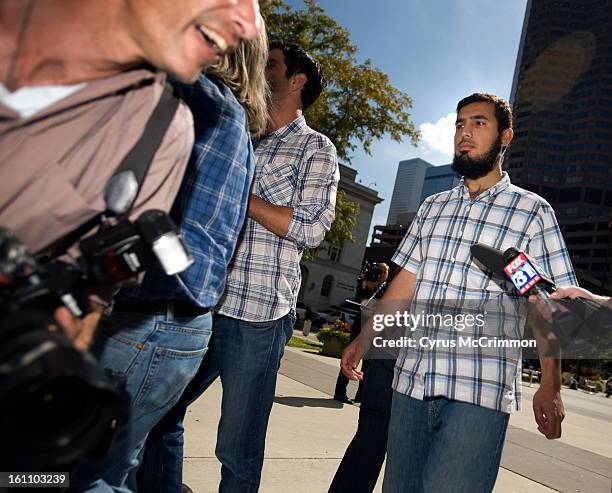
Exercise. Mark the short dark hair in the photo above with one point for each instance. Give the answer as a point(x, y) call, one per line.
point(503, 111)
point(299, 61)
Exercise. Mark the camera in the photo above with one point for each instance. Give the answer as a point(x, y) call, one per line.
point(120, 251)
point(58, 405)
point(371, 272)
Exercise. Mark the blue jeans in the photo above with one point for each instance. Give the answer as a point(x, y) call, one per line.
point(246, 356)
point(158, 354)
point(442, 446)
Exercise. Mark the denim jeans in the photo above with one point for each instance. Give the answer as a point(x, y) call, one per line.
point(442, 446)
point(364, 457)
point(158, 354)
point(246, 356)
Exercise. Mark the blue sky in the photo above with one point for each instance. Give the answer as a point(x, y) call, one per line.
point(437, 51)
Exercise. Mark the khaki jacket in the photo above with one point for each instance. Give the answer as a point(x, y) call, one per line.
point(54, 164)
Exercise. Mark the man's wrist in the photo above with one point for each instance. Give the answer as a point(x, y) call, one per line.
point(551, 385)
point(551, 374)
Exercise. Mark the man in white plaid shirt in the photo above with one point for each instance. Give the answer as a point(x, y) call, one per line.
point(292, 206)
point(450, 406)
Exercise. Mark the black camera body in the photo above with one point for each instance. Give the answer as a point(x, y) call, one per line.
point(117, 253)
point(371, 272)
point(58, 405)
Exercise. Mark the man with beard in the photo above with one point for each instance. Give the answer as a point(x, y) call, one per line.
point(451, 408)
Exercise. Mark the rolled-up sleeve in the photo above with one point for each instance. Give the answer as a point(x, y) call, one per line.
point(315, 200)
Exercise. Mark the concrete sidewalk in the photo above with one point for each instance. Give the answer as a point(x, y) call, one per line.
point(309, 432)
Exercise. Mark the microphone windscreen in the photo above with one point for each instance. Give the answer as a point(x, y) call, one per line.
point(510, 254)
point(491, 258)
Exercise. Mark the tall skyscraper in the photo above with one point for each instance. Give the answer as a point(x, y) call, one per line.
point(407, 189)
point(438, 179)
point(562, 148)
point(416, 180)
point(412, 187)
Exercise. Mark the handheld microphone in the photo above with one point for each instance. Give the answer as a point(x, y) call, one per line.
point(517, 267)
point(491, 258)
point(529, 279)
point(524, 274)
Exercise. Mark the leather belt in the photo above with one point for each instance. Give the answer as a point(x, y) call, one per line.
point(180, 308)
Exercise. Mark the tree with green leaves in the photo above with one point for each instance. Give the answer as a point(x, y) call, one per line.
point(359, 104)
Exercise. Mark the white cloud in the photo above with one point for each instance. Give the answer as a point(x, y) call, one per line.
point(438, 137)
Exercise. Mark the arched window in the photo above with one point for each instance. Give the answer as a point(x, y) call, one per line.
point(327, 286)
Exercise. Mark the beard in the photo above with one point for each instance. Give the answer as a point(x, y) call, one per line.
point(479, 166)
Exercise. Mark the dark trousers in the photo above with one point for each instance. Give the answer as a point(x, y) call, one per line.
point(363, 459)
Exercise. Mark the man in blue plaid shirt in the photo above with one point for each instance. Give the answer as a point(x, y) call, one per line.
point(158, 332)
point(451, 406)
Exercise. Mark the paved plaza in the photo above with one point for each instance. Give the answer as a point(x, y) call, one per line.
point(309, 432)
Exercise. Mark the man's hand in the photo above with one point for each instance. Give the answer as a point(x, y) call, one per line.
point(398, 294)
point(570, 292)
point(576, 292)
point(548, 411)
point(351, 357)
point(80, 331)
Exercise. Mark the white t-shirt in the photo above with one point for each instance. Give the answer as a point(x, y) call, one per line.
point(29, 100)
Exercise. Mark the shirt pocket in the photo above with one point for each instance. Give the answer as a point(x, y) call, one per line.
point(277, 185)
point(495, 238)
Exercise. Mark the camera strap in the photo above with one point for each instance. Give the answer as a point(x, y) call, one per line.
point(136, 163)
point(123, 187)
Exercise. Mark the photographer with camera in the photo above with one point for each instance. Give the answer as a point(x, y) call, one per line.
point(363, 458)
point(73, 104)
point(93, 146)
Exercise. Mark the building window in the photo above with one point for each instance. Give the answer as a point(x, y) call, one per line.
point(327, 286)
point(330, 252)
point(334, 252)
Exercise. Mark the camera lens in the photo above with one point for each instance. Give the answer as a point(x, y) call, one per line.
point(60, 407)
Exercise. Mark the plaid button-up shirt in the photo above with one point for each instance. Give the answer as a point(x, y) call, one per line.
point(211, 204)
point(295, 167)
point(437, 249)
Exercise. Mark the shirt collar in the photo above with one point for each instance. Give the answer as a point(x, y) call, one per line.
point(500, 186)
point(284, 132)
point(93, 90)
